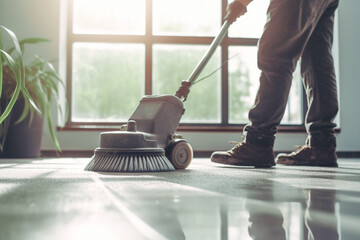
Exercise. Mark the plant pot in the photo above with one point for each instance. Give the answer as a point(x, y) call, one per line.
point(23, 140)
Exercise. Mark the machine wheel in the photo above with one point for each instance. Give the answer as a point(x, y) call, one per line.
point(180, 154)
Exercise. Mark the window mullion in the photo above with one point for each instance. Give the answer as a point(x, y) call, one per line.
point(69, 44)
point(224, 85)
point(224, 72)
point(148, 48)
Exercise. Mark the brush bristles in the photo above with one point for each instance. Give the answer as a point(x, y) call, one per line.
point(129, 163)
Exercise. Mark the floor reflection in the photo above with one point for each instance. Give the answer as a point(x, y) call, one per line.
point(57, 199)
point(316, 219)
point(183, 212)
point(273, 209)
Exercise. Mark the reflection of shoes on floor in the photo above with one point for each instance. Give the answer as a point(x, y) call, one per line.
point(246, 154)
point(309, 156)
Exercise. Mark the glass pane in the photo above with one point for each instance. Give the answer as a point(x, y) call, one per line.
point(186, 17)
point(293, 113)
point(251, 25)
point(174, 63)
point(107, 81)
point(109, 16)
point(244, 83)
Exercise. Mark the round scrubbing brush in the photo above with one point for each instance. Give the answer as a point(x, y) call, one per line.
point(129, 151)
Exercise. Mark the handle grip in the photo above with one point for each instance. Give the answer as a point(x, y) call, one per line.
point(235, 10)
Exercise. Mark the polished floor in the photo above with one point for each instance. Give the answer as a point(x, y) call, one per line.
point(56, 199)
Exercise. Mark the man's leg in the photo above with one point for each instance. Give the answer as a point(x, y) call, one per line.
point(319, 78)
point(285, 36)
point(320, 83)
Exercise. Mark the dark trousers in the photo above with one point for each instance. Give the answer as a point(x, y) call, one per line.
point(296, 29)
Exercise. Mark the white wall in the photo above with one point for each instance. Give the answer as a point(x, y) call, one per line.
point(33, 18)
point(349, 55)
point(41, 18)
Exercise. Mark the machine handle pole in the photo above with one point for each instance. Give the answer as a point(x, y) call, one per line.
point(215, 43)
point(236, 11)
point(186, 84)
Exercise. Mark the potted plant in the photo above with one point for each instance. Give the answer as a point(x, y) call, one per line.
point(26, 95)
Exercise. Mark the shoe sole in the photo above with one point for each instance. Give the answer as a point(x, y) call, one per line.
point(269, 165)
point(294, 163)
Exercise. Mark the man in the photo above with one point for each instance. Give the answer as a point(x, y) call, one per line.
point(295, 29)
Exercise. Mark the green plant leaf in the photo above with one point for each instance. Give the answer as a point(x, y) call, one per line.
point(1, 68)
point(20, 61)
point(12, 64)
point(39, 94)
point(32, 113)
point(61, 111)
point(37, 82)
point(57, 77)
point(11, 104)
point(16, 44)
point(52, 131)
point(24, 112)
point(4, 127)
point(64, 108)
point(27, 94)
point(52, 71)
point(48, 116)
point(28, 41)
point(20, 67)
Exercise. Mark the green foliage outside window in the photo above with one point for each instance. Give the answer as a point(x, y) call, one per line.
point(172, 64)
point(108, 81)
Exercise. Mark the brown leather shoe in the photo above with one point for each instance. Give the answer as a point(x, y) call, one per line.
point(309, 156)
point(246, 154)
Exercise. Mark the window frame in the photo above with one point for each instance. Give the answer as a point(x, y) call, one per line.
point(148, 39)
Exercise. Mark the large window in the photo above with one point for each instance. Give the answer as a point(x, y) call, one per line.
point(120, 50)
